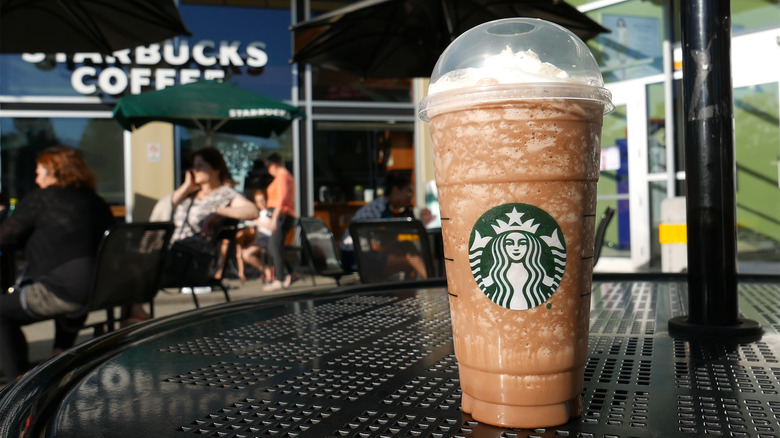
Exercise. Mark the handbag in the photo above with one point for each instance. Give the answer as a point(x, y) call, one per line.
point(186, 264)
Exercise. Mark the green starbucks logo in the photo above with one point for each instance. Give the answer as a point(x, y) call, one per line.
point(518, 255)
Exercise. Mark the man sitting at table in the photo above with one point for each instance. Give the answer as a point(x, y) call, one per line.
point(395, 202)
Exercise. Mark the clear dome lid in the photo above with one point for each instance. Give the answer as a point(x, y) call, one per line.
point(547, 59)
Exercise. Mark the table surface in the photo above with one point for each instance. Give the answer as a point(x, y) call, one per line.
point(358, 363)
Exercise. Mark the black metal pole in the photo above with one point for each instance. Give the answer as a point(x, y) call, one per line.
point(710, 173)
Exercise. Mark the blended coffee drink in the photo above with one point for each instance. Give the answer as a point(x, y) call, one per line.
point(515, 109)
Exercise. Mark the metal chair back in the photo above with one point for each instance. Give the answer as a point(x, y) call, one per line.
point(394, 249)
point(320, 247)
point(601, 230)
point(128, 269)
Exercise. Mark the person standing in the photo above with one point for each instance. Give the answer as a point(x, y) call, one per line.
point(281, 203)
point(60, 227)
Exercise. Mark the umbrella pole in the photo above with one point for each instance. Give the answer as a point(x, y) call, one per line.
point(710, 175)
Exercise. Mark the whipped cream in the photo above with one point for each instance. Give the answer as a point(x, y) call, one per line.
point(505, 68)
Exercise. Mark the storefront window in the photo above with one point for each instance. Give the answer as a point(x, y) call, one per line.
point(754, 14)
point(350, 164)
point(99, 140)
point(633, 47)
point(757, 134)
point(332, 85)
point(243, 154)
point(656, 129)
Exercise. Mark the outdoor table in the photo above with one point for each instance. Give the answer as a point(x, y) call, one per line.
point(378, 362)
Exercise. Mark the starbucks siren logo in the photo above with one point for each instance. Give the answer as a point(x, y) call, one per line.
point(518, 255)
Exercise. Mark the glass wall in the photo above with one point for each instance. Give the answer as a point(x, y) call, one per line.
point(351, 160)
point(757, 134)
point(633, 48)
point(330, 85)
point(747, 15)
point(99, 140)
point(243, 154)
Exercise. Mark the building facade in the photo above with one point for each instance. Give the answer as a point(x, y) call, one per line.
point(356, 131)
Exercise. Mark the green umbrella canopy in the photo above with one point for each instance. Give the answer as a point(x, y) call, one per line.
point(209, 106)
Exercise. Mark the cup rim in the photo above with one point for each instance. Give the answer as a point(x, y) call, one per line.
point(456, 99)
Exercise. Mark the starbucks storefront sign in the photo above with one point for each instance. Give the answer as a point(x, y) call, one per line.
point(152, 65)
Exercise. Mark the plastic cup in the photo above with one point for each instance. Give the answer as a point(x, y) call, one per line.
point(516, 145)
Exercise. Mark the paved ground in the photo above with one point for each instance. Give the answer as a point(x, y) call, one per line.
point(170, 302)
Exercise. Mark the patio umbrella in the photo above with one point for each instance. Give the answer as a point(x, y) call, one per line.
point(71, 26)
point(404, 38)
point(209, 106)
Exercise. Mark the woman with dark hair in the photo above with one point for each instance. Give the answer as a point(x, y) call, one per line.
point(59, 227)
point(206, 196)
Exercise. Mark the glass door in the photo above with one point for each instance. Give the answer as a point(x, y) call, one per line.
point(622, 182)
point(756, 77)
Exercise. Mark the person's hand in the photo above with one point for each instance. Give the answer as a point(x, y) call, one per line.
point(189, 182)
point(271, 226)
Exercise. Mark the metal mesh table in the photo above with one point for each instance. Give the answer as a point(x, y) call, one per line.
point(363, 363)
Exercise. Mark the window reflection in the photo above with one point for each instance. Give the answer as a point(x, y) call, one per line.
point(350, 164)
point(243, 154)
point(757, 135)
point(99, 140)
point(333, 85)
point(754, 14)
point(633, 47)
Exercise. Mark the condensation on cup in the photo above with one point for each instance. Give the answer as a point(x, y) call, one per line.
point(515, 108)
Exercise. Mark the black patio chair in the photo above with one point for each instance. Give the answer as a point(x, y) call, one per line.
point(394, 249)
point(224, 229)
point(606, 217)
point(128, 270)
point(319, 247)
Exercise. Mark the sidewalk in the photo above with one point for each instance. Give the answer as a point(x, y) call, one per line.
point(170, 302)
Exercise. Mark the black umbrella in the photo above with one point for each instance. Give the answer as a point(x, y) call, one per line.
point(404, 38)
point(71, 26)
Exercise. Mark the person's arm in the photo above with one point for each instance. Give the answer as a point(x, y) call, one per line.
point(239, 208)
point(187, 188)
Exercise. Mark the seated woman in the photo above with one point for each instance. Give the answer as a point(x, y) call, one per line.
point(59, 227)
point(205, 197)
